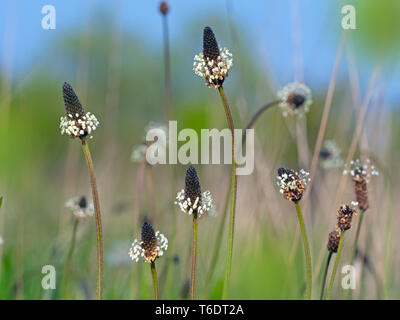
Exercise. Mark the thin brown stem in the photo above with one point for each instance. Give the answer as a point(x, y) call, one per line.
point(194, 259)
point(167, 76)
point(154, 276)
point(99, 231)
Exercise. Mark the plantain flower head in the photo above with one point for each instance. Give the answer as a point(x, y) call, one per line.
point(77, 123)
point(295, 99)
point(292, 184)
point(213, 63)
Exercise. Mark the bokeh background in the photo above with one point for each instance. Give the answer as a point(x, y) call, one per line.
point(112, 54)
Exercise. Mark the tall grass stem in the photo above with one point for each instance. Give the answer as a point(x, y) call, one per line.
point(99, 231)
point(307, 253)
point(328, 260)
point(233, 194)
point(154, 276)
point(194, 259)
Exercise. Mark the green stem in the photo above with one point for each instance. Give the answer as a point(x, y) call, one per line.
point(69, 257)
point(99, 231)
point(335, 266)
point(233, 195)
point(354, 250)
point(194, 258)
point(218, 241)
point(328, 260)
point(307, 253)
point(154, 276)
point(256, 116)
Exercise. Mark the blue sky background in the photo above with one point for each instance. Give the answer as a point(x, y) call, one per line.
point(267, 27)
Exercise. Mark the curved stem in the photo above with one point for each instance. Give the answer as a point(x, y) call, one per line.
point(256, 116)
point(307, 254)
point(154, 276)
point(69, 257)
point(233, 195)
point(335, 266)
point(194, 258)
point(99, 231)
point(328, 260)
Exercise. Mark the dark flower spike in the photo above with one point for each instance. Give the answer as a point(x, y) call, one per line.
point(71, 101)
point(210, 45)
point(164, 7)
point(83, 202)
point(152, 244)
point(345, 217)
point(192, 186)
point(213, 63)
point(333, 241)
point(191, 199)
point(76, 124)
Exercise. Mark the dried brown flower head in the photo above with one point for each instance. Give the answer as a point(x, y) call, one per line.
point(292, 184)
point(345, 216)
point(333, 241)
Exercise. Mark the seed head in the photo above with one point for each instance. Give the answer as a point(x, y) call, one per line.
point(333, 241)
point(71, 101)
point(330, 155)
point(164, 7)
point(192, 185)
point(210, 45)
point(345, 216)
point(292, 184)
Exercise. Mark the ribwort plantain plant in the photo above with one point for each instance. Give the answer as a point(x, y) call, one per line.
point(292, 186)
point(149, 248)
point(213, 64)
point(78, 124)
point(195, 203)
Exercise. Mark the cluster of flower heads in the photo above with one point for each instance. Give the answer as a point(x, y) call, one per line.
point(80, 207)
point(213, 63)
point(292, 184)
point(360, 171)
point(295, 98)
point(77, 123)
point(151, 245)
point(330, 155)
point(191, 200)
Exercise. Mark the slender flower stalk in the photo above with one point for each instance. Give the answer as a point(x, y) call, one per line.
point(194, 258)
point(332, 246)
point(328, 260)
point(69, 257)
point(292, 186)
point(164, 9)
point(345, 216)
point(233, 195)
point(256, 116)
point(307, 253)
point(213, 64)
point(149, 248)
point(154, 276)
point(77, 124)
point(335, 266)
point(193, 202)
